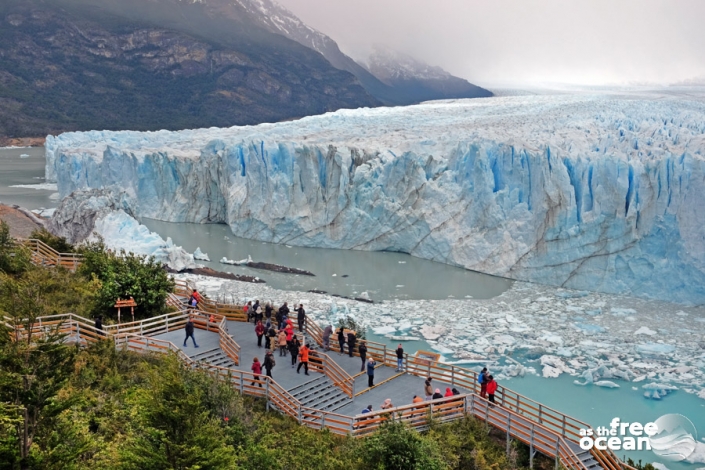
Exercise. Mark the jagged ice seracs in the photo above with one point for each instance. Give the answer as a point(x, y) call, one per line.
point(600, 192)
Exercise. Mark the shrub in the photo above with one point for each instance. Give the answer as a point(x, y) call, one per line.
point(123, 275)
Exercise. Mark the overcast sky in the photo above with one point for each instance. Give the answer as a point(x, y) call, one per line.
point(495, 42)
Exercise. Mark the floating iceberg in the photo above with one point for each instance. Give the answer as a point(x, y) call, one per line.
point(657, 391)
point(199, 255)
point(600, 193)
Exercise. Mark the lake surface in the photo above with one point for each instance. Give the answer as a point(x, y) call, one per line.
point(24, 166)
point(343, 272)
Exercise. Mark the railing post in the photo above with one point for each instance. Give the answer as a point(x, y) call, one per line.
point(452, 376)
point(531, 447)
point(167, 324)
point(563, 428)
point(509, 424)
point(323, 421)
point(540, 413)
point(353, 389)
point(384, 355)
point(242, 384)
point(465, 405)
point(301, 414)
point(267, 392)
point(558, 447)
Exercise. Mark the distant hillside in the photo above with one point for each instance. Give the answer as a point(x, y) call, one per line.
point(410, 90)
point(418, 80)
point(155, 64)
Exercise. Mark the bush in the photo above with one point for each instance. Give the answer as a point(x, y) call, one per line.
point(349, 323)
point(396, 447)
point(123, 275)
point(14, 258)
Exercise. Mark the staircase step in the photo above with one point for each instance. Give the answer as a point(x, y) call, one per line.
point(307, 384)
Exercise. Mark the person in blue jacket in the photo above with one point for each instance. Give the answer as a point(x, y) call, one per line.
point(371, 372)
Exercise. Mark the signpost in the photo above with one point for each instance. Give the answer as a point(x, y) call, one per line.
point(126, 303)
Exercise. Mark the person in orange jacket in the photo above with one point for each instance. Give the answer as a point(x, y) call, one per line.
point(303, 357)
point(491, 388)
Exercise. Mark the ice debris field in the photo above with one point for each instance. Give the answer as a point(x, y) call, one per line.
point(601, 340)
point(602, 193)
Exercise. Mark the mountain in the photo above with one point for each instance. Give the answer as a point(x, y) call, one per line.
point(411, 90)
point(418, 80)
point(156, 64)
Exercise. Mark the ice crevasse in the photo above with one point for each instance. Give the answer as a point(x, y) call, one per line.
point(600, 193)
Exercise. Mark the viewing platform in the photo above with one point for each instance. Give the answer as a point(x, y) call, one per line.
point(335, 392)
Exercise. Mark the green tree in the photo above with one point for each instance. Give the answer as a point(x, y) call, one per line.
point(123, 275)
point(14, 258)
point(396, 447)
point(172, 427)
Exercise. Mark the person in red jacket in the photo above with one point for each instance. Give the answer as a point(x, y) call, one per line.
point(491, 388)
point(257, 370)
point(449, 393)
point(259, 331)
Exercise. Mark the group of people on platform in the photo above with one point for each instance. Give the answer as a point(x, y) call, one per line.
point(279, 333)
point(255, 314)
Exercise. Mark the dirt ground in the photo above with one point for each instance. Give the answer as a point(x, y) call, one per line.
point(21, 225)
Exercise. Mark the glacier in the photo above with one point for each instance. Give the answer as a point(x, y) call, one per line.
point(590, 192)
point(100, 215)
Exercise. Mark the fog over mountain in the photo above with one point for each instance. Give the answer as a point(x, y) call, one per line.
point(517, 41)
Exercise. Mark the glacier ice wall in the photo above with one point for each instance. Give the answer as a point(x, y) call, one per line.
point(588, 192)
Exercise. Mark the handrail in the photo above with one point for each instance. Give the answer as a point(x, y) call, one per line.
point(334, 372)
point(517, 407)
point(44, 255)
point(418, 415)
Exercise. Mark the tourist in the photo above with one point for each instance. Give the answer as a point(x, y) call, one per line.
point(437, 394)
point(256, 370)
point(449, 392)
point(362, 350)
point(400, 358)
point(99, 324)
point(248, 310)
point(268, 311)
point(351, 342)
point(266, 335)
point(271, 336)
point(259, 331)
point(327, 331)
point(303, 358)
point(482, 380)
point(387, 404)
point(456, 391)
point(294, 346)
point(282, 343)
point(189, 331)
point(195, 299)
point(341, 339)
point(258, 313)
point(417, 399)
point(283, 312)
point(269, 363)
point(301, 317)
point(491, 388)
point(428, 389)
point(371, 372)
point(289, 330)
point(367, 410)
